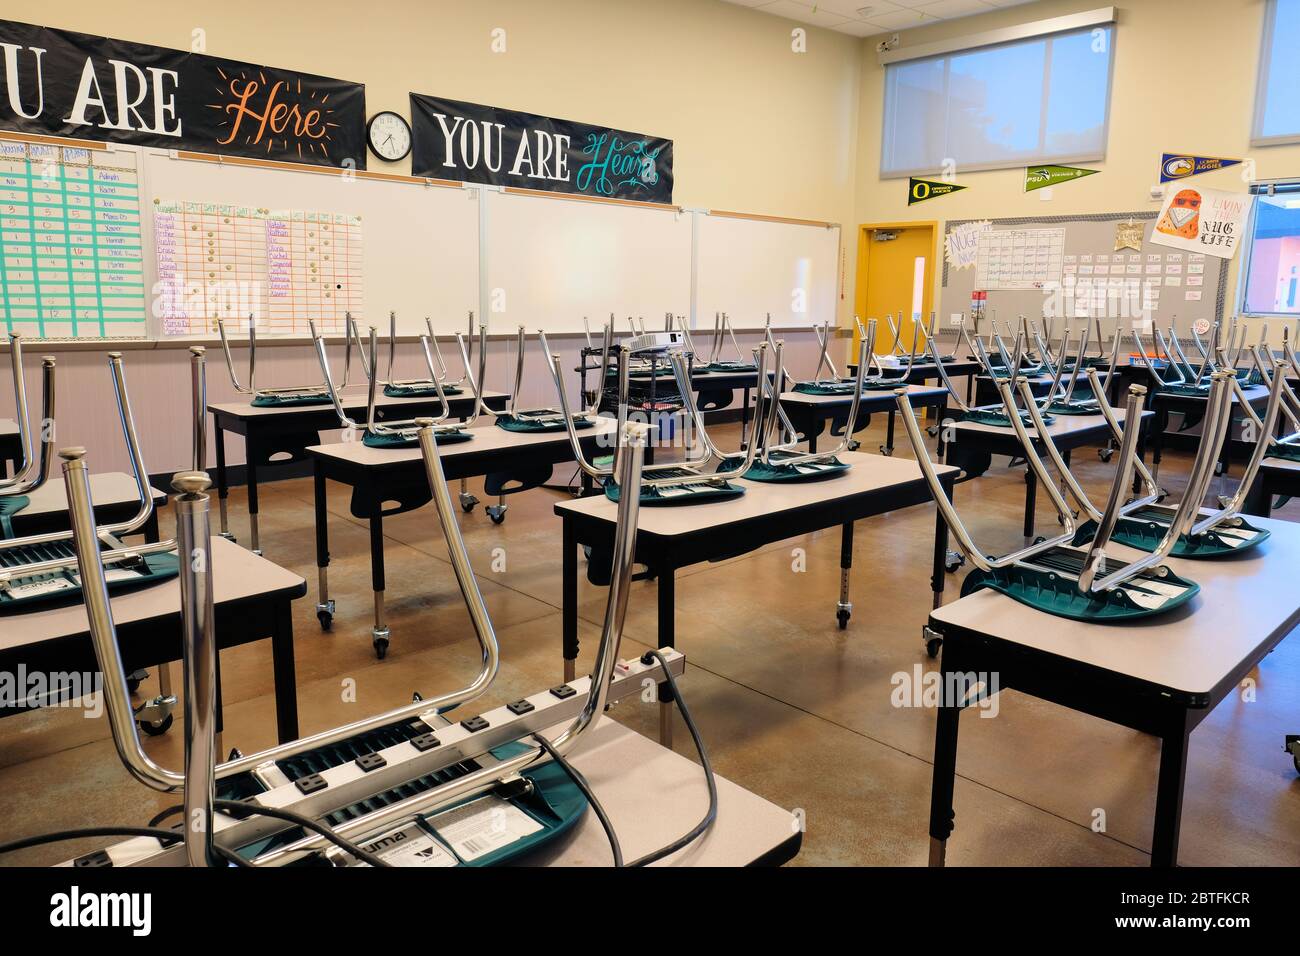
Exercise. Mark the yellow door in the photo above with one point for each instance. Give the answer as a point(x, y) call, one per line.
point(895, 277)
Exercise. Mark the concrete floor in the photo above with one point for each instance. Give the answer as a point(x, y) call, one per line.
point(790, 707)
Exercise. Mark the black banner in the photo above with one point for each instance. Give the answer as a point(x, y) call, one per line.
point(59, 83)
point(482, 144)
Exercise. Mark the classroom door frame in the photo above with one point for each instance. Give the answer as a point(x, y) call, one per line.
point(863, 273)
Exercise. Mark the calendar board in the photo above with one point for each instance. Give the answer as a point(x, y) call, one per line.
point(1068, 267)
point(71, 262)
point(230, 262)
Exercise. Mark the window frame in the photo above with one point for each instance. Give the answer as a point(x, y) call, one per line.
point(1029, 159)
point(1261, 85)
point(1263, 187)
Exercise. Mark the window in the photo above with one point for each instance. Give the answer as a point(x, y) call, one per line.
point(1277, 97)
point(1039, 100)
point(1272, 265)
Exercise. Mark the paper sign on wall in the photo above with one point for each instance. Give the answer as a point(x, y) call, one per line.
point(962, 244)
point(1202, 220)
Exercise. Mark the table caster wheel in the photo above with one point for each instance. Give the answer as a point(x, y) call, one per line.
point(842, 615)
point(156, 728)
point(134, 679)
point(467, 502)
point(496, 512)
point(933, 641)
point(1293, 745)
point(1105, 454)
point(229, 537)
point(1218, 468)
point(886, 450)
point(325, 614)
point(381, 642)
point(953, 560)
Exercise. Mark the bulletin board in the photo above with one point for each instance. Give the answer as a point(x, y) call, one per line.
point(1069, 265)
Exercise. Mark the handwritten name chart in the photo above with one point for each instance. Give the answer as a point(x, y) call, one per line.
point(1019, 258)
point(284, 267)
point(71, 264)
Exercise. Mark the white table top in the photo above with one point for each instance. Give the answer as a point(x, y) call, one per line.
point(486, 438)
point(1060, 426)
point(236, 574)
point(107, 488)
point(1281, 464)
point(761, 499)
point(799, 398)
point(8, 427)
point(652, 797)
point(353, 399)
point(1244, 602)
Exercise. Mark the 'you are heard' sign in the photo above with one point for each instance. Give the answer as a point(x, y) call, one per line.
point(481, 144)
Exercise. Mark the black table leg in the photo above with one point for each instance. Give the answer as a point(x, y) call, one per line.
point(1031, 501)
point(250, 467)
point(888, 448)
point(744, 417)
point(667, 638)
point(223, 482)
point(569, 600)
point(379, 632)
point(324, 605)
point(1169, 793)
point(844, 610)
point(151, 528)
point(286, 681)
point(944, 778)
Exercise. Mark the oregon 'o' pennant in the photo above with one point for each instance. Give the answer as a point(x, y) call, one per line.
point(919, 190)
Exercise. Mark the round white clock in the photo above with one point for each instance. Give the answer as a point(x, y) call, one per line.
point(389, 136)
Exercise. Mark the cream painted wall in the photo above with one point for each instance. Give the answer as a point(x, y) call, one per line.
point(1184, 80)
point(757, 127)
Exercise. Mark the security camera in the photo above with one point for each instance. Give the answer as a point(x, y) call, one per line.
point(887, 44)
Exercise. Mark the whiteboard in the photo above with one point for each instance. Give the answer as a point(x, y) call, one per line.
point(750, 267)
point(550, 262)
point(418, 243)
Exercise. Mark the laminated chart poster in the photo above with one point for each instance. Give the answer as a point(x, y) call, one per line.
point(71, 264)
point(1019, 259)
point(284, 267)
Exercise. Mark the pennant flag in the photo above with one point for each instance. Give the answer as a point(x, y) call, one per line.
point(919, 190)
point(1040, 177)
point(1181, 165)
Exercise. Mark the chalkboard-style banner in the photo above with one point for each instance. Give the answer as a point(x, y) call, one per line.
point(482, 144)
point(59, 83)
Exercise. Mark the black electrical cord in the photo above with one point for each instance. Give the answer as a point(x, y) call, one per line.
point(307, 823)
point(712, 814)
point(581, 783)
point(59, 836)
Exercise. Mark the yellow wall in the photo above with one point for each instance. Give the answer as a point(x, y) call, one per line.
point(1184, 80)
point(757, 127)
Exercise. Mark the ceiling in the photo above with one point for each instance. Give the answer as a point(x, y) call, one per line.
point(864, 18)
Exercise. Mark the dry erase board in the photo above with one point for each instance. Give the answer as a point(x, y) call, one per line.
point(1070, 268)
point(552, 261)
point(71, 262)
point(749, 268)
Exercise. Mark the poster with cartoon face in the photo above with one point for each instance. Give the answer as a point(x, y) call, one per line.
point(1202, 220)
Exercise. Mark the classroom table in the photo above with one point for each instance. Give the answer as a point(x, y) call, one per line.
point(11, 445)
point(113, 493)
point(809, 414)
point(971, 446)
point(392, 481)
point(251, 599)
point(652, 796)
point(281, 436)
point(1164, 404)
point(713, 389)
point(674, 537)
point(1161, 676)
point(1277, 476)
point(923, 373)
